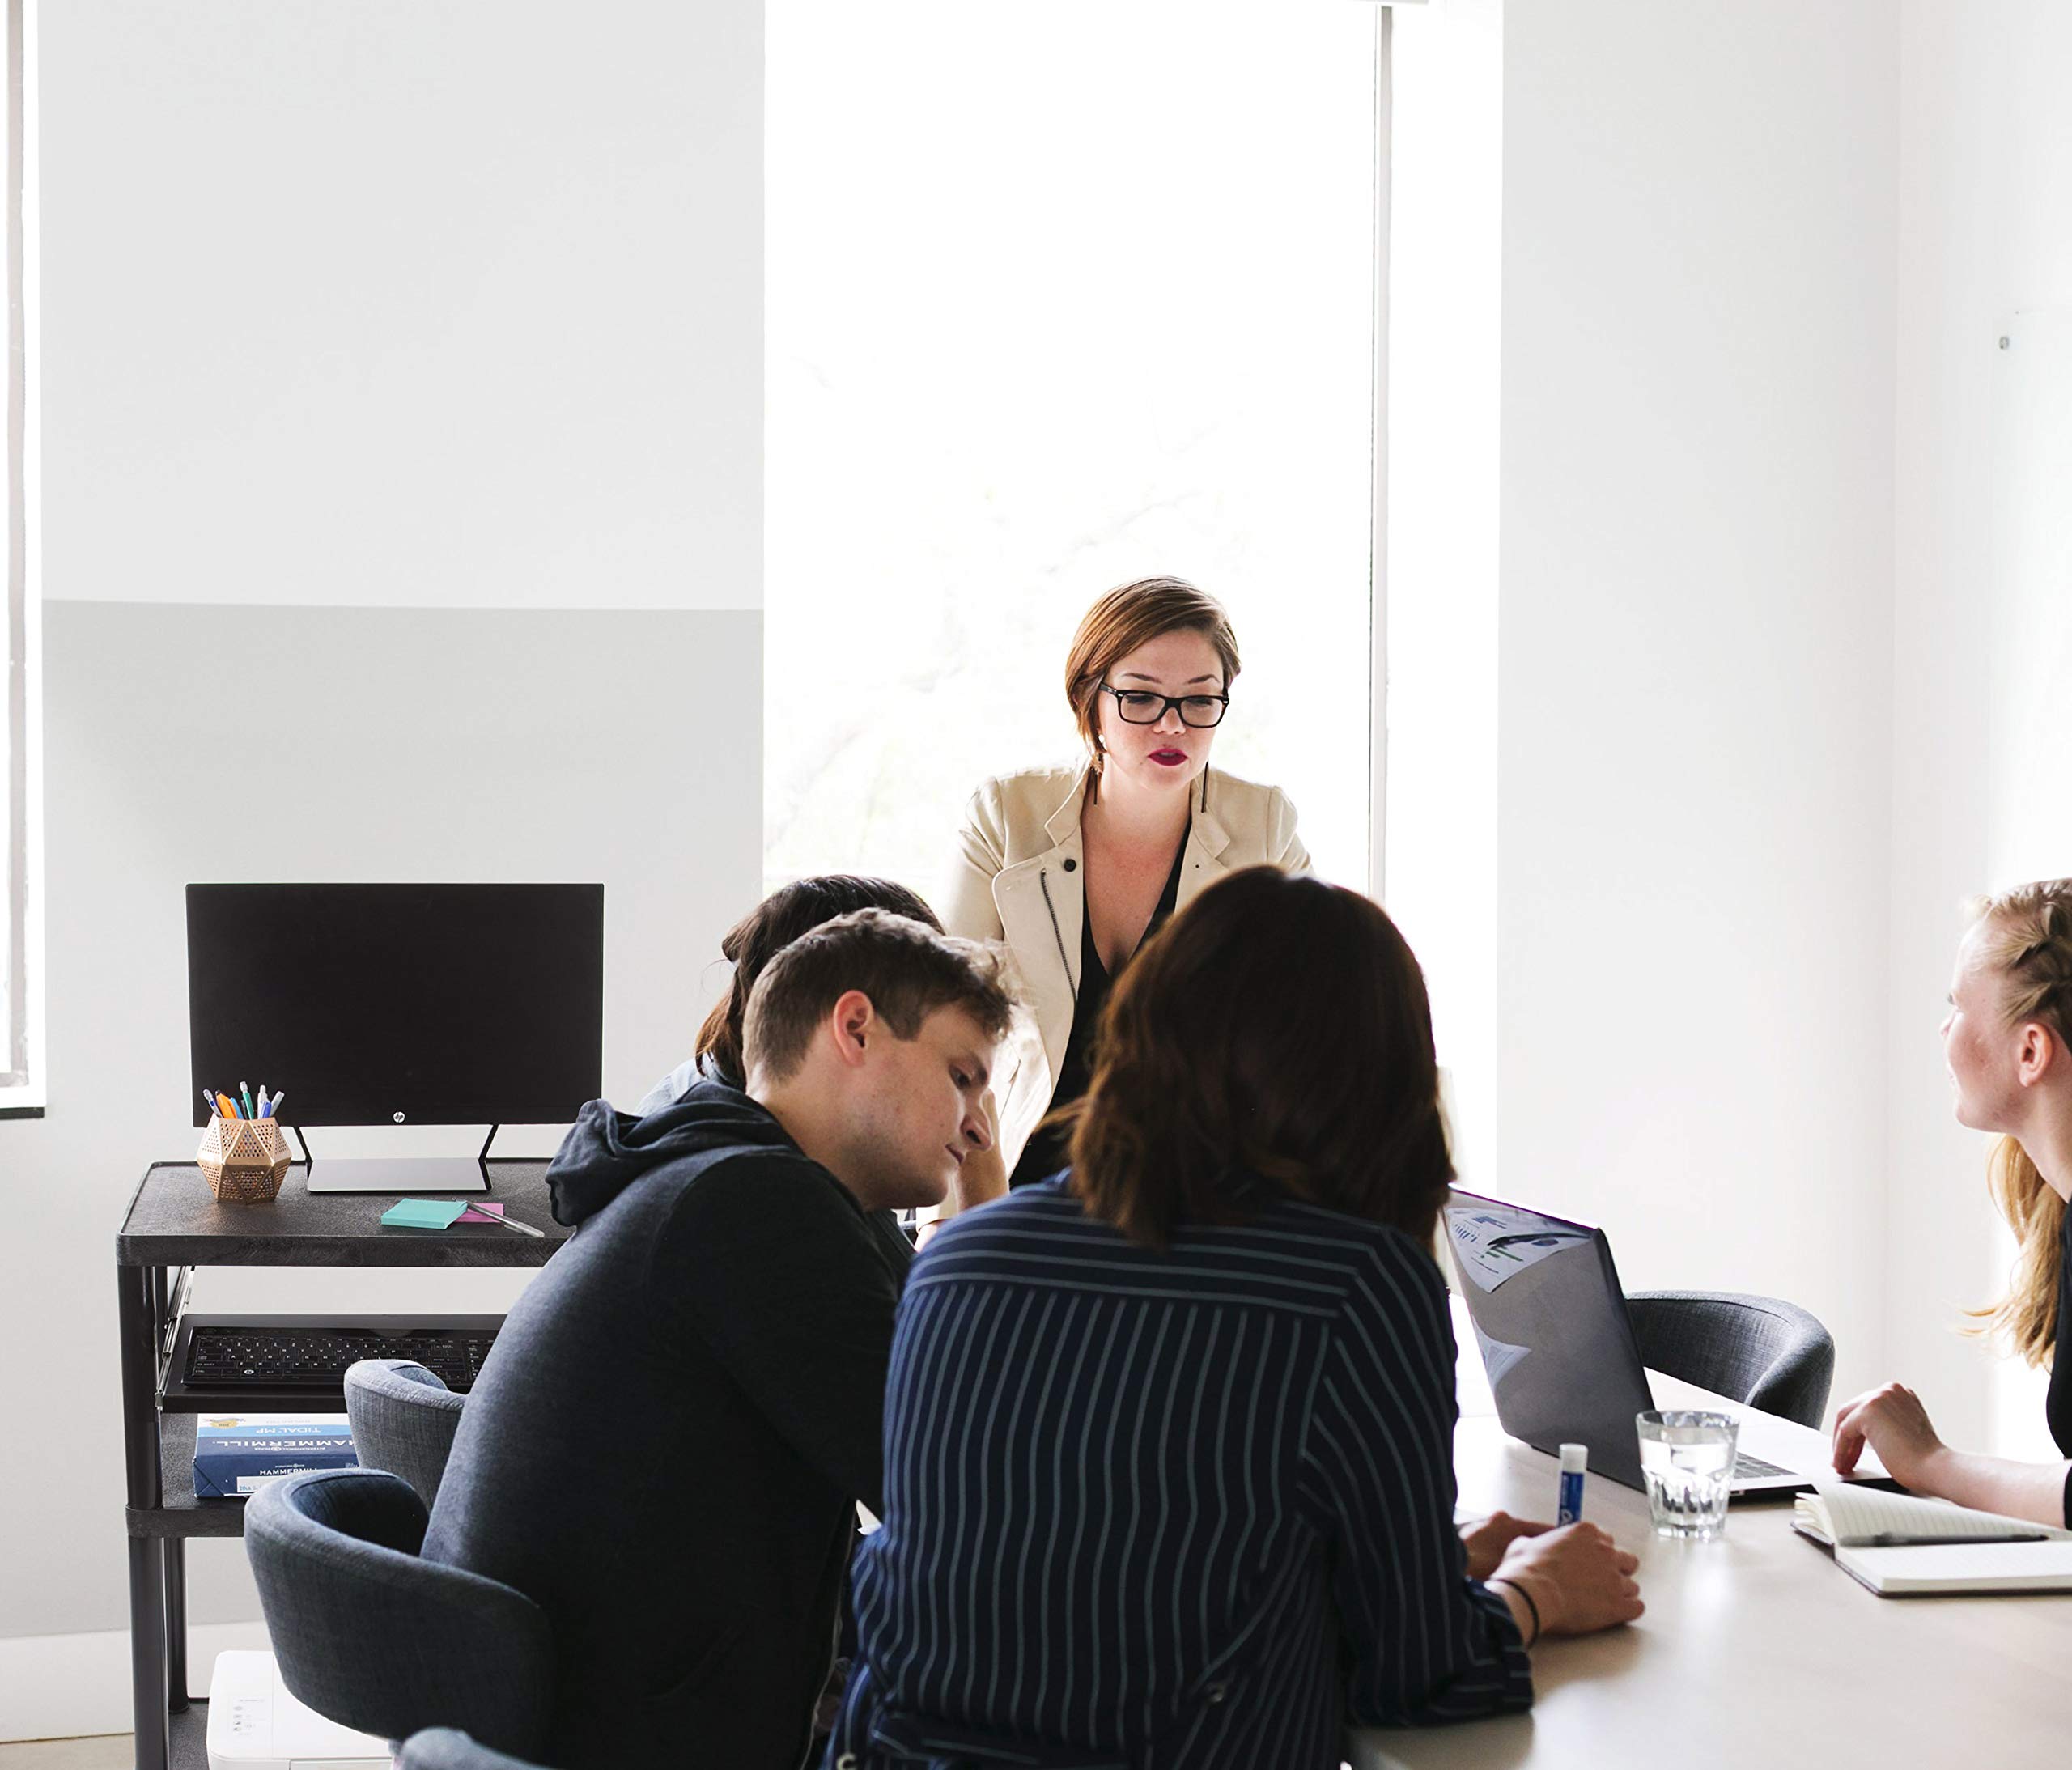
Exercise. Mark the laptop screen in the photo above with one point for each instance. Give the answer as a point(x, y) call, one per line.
point(1551, 1317)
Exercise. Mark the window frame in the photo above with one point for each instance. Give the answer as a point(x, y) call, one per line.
point(22, 1081)
point(1378, 568)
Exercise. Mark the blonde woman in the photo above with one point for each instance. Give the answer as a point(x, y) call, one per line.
point(2008, 1040)
point(1074, 867)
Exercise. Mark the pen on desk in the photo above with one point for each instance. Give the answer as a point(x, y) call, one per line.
point(244, 1094)
point(1900, 1540)
point(261, 1112)
point(510, 1223)
point(1575, 1459)
point(274, 1106)
point(208, 1100)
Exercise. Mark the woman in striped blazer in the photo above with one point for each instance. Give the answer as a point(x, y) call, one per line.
point(1168, 1437)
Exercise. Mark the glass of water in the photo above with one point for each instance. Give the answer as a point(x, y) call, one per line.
point(1687, 1460)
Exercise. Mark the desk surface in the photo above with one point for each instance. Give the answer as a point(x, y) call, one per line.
point(1755, 1651)
point(174, 1220)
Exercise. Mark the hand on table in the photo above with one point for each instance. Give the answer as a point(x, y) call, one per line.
point(1892, 1421)
point(1579, 1578)
point(1487, 1540)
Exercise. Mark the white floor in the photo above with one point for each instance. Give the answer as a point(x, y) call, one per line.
point(104, 1751)
point(77, 1685)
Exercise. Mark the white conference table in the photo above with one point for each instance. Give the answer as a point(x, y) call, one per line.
point(1756, 1650)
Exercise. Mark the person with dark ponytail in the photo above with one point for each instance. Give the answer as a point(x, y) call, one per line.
point(750, 944)
point(2008, 1041)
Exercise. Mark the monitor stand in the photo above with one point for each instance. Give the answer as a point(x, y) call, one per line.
point(396, 1175)
point(415, 1175)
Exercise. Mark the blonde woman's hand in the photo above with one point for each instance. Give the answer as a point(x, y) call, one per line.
point(1892, 1421)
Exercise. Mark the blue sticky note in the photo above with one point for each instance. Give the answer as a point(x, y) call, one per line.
point(423, 1213)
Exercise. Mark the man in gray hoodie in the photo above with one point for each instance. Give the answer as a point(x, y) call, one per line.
point(666, 1448)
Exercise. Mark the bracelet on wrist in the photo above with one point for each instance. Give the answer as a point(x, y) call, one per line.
point(1498, 1579)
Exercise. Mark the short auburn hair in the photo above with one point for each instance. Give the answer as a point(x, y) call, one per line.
point(1129, 615)
point(773, 924)
point(907, 971)
point(1275, 1027)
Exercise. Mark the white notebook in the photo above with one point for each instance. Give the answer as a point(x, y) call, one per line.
point(1901, 1546)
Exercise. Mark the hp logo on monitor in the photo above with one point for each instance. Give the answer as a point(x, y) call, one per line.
point(399, 1118)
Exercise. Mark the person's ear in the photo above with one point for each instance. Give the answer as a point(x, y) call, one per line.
point(853, 1022)
point(2038, 1053)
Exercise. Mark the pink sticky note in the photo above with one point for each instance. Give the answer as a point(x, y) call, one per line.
point(482, 1213)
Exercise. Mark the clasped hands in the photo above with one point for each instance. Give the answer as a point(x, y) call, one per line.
point(1579, 1578)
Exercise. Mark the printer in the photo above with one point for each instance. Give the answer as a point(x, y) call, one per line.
point(254, 1724)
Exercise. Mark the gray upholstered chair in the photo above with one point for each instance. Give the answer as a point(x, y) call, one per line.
point(403, 1419)
point(370, 1635)
point(447, 1748)
point(1759, 1351)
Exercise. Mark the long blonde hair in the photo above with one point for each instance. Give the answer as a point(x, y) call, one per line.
point(2027, 945)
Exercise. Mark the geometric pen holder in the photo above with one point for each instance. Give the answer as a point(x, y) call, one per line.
point(243, 1160)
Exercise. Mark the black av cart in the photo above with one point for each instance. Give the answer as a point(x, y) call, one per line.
point(174, 1225)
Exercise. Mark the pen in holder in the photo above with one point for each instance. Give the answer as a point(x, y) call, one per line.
point(243, 1160)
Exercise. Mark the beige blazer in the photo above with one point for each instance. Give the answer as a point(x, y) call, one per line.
point(1016, 878)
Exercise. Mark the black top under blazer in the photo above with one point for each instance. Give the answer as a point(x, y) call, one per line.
point(1191, 1508)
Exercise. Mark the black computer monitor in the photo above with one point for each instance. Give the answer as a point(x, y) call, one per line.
point(391, 1004)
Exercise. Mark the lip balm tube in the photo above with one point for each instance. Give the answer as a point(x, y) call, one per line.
point(1575, 1459)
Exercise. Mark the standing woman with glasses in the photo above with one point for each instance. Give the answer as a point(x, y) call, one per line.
point(1074, 868)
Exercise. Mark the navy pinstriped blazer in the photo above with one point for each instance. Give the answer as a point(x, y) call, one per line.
point(1190, 1509)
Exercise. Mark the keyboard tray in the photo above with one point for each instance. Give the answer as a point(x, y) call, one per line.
point(180, 1394)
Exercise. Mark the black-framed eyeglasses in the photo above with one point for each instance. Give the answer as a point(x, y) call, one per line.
point(1141, 707)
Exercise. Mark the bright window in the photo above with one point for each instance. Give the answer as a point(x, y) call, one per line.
point(1057, 298)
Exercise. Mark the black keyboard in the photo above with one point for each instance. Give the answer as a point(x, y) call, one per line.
point(315, 1358)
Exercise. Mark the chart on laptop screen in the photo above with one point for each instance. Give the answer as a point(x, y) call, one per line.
point(1493, 1245)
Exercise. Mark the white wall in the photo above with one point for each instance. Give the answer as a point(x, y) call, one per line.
point(454, 304)
point(436, 743)
point(1695, 635)
point(1985, 190)
point(1765, 707)
point(402, 441)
